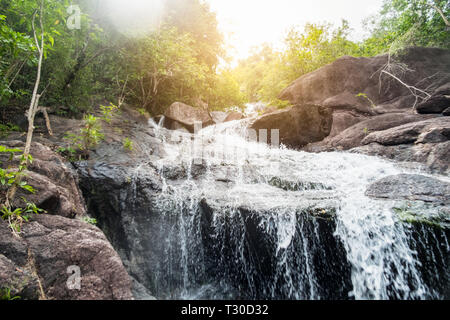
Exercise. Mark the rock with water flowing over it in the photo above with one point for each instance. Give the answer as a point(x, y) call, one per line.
point(233, 116)
point(51, 250)
point(411, 187)
point(218, 116)
point(180, 115)
point(365, 99)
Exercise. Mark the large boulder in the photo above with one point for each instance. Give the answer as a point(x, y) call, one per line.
point(411, 187)
point(233, 116)
point(427, 131)
point(55, 182)
point(337, 84)
point(38, 265)
point(180, 115)
point(353, 136)
point(219, 116)
point(35, 266)
point(298, 125)
point(374, 113)
point(438, 102)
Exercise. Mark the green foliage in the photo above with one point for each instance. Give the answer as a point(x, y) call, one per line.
point(108, 112)
point(10, 177)
point(18, 216)
point(267, 72)
point(403, 23)
point(163, 59)
point(366, 131)
point(127, 144)
point(5, 295)
point(143, 112)
point(89, 220)
point(226, 92)
point(6, 129)
point(408, 214)
point(69, 153)
point(90, 135)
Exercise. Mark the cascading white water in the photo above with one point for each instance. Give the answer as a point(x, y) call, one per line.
point(279, 185)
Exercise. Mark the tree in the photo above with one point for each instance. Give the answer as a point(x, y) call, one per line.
point(403, 23)
point(33, 108)
point(165, 57)
point(267, 72)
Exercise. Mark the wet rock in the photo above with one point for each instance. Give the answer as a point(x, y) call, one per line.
point(247, 244)
point(233, 116)
point(186, 116)
point(218, 116)
point(411, 187)
point(298, 126)
point(51, 244)
point(431, 156)
point(297, 185)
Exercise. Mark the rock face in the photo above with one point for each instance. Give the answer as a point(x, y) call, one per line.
point(411, 187)
point(180, 115)
point(48, 247)
point(35, 265)
point(421, 132)
point(372, 112)
point(233, 116)
point(337, 84)
point(219, 116)
point(56, 184)
point(298, 125)
point(438, 103)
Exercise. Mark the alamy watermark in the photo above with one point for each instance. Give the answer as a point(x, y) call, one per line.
point(74, 19)
point(74, 280)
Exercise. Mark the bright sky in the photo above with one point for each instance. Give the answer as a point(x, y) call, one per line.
point(248, 23)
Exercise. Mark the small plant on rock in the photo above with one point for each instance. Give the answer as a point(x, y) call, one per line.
point(366, 97)
point(18, 216)
point(90, 135)
point(5, 294)
point(108, 112)
point(127, 144)
point(88, 220)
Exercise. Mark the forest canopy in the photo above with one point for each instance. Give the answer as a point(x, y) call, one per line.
point(180, 59)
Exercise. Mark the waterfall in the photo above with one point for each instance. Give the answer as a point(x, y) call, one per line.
point(239, 219)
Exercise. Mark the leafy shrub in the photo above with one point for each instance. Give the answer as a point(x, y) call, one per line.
point(18, 216)
point(108, 112)
point(6, 129)
point(90, 135)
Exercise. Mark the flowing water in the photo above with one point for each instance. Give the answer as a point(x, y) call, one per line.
point(245, 220)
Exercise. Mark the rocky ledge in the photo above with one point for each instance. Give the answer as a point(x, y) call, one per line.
point(57, 247)
point(351, 105)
